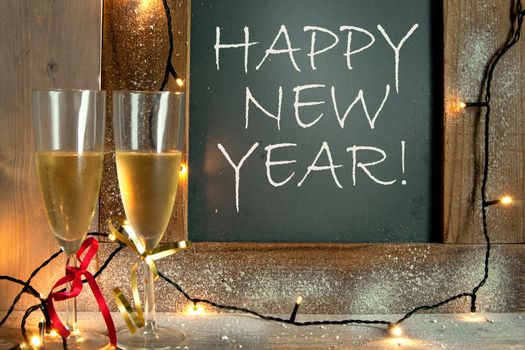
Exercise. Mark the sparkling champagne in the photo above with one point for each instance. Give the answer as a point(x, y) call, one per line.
point(69, 183)
point(148, 184)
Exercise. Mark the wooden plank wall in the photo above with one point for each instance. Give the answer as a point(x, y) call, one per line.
point(57, 44)
point(45, 44)
point(474, 30)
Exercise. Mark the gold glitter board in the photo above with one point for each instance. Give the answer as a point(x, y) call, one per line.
point(135, 49)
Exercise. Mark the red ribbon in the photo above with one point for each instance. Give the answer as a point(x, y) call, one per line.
point(74, 276)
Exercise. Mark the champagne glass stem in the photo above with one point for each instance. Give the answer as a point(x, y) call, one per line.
point(149, 298)
point(71, 304)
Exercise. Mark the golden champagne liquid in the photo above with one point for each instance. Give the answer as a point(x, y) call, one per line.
point(148, 184)
point(69, 183)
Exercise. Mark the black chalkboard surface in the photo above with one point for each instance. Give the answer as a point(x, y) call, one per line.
point(314, 121)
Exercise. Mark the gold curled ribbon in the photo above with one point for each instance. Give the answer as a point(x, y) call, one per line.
point(134, 318)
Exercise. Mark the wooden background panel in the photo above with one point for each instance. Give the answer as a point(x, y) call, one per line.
point(474, 30)
point(135, 49)
point(45, 44)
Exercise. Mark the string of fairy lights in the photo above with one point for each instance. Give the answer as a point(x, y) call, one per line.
point(394, 326)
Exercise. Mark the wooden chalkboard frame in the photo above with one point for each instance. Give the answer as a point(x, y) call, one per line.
point(461, 157)
point(455, 224)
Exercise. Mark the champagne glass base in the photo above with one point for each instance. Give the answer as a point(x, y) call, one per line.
point(152, 338)
point(78, 341)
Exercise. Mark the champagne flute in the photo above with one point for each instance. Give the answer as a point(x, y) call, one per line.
point(149, 132)
point(69, 143)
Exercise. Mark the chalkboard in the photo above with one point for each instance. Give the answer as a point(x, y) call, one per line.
point(314, 121)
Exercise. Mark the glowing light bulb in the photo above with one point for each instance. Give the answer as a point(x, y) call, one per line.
point(298, 302)
point(395, 330)
point(53, 333)
point(506, 200)
point(183, 169)
point(180, 82)
point(454, 106)
point(195, 309)
point(36, 341)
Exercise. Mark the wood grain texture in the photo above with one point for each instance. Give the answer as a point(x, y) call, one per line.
point(134, 58)
point(46, 44)
point(474, 30)
point(333, 278)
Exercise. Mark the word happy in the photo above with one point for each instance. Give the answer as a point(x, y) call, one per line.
point(282, 45)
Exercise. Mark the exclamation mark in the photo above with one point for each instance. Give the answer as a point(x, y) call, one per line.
point(403, 182)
